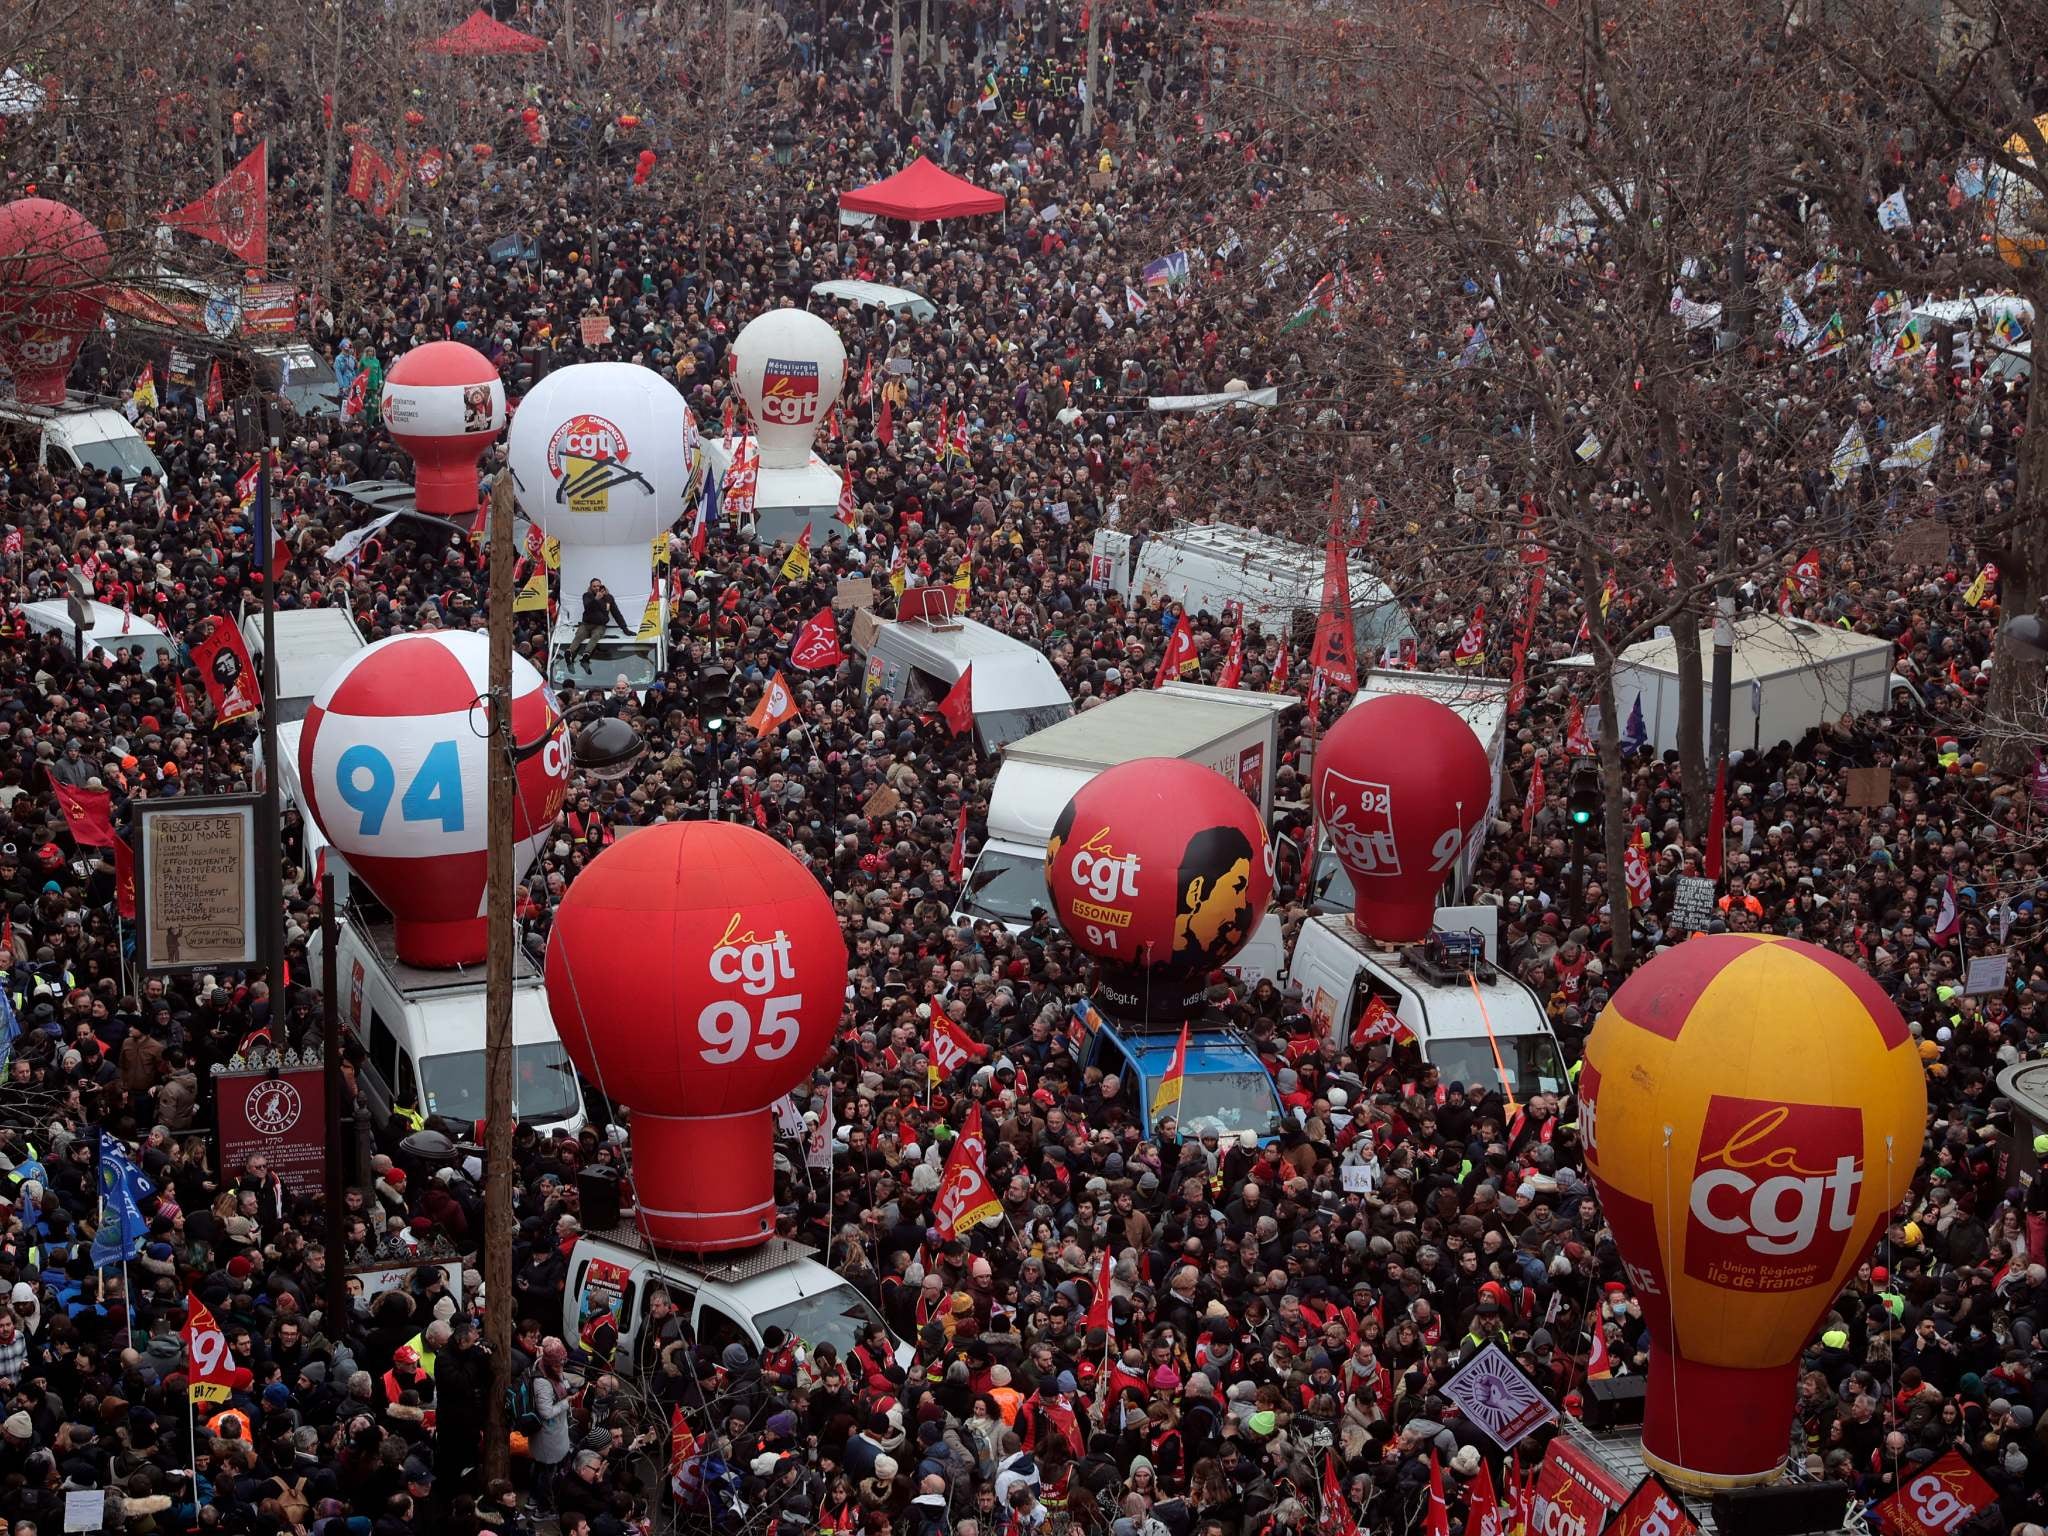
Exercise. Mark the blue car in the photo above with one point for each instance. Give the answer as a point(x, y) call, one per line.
point(1224, 1085)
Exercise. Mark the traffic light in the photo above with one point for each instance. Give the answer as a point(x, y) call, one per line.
point(1585, 797)
point(714, 696)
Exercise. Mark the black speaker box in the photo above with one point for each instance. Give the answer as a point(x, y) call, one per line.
point(1781, 1509)
point(1614, 1401)
point(597, 1191)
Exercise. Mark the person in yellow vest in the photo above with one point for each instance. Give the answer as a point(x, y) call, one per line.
point(428, 1344)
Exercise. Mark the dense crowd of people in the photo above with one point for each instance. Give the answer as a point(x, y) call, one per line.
point(1269, 1319)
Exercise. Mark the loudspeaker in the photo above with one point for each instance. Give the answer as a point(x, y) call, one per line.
point(597, 1192)
point(1614, 1400)
point(1781, 1509)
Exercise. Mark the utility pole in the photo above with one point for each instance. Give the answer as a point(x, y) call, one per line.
point(498, 1127)
point(336, 1301)
point(896, 55)
point(1740, 303)
point(1094, 64)
point(253, 429)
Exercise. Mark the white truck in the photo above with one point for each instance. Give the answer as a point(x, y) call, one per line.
point(1273, 582)
point(1482, 702)
point(85, 432)
point(1231, 730)
point(784, 499)
point(1472, 1021)
point(1013, 688)
point(311, 643)
point(725, 1298)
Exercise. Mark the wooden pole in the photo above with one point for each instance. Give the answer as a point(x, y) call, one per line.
point(336, 1298)
point(498, 992)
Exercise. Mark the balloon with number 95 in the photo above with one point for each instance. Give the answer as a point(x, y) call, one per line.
point(695, 972)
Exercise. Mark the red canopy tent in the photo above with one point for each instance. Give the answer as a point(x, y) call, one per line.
point(482, 33)
point(921, 192)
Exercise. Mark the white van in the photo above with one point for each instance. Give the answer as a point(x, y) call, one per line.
point(311, 643)
point(423, 1033)
point(1276, 583)
point(784, 499)
point(113, 631)
point(1471, 1020)
point(1013, 688)
point(727, 1298)
point(79, 434)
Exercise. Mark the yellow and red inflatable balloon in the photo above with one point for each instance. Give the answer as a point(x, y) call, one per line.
point(1752, 1109)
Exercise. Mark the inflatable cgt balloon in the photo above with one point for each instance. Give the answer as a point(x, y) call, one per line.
point(1160, 869)
point(52, 262)
point(444, 404)
point(1752, 1108)
point(695, 973)
point(790, 366)
point(393, 769)
point(1400, 783)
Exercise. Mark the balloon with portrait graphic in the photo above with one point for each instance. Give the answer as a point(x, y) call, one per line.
point(695, 972)
point(444, 404)
point(1401, 783)
point(1752, 1108)
point(392, 763)
point(1159, 868)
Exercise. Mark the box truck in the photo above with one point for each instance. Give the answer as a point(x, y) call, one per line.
point(1013, 688)
point(1235, 732)
point(784, 499)
point(1277, 584)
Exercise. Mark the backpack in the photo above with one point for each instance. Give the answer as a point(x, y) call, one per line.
point(519, 1412)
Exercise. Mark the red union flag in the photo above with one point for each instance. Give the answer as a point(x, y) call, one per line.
point(1635, 874)
point(211, 1372)
point(789, 391)
point(1937, 1501)
point(1379, 1022)
point(236, 212)
point(817, 644)
point(1652, 1510)
point(1574, 1493)
point(952, 1049)
point(966, 1198)
point(1774, 1193)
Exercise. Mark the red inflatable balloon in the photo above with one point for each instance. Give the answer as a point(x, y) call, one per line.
point(52, 262)
point(1160, 869)
point(1401, 783)
point(696, 972)
point(444, 403)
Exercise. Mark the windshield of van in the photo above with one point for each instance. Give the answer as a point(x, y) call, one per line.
point(1229, 1102)
point(1005, 887)
point(1006, 725)
point(1532, 1063)
point(787, 524)
point(614, 658)
point(543, 1083)
point(837, 1317)
point(127, 457)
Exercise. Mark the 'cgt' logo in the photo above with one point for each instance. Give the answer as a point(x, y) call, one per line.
point(1774, 1193)
point(1102, 873)
point(755, 963)
point(1939, 1498)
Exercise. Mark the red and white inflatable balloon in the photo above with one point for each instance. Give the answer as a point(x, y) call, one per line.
point(393, 767)
point(696, 972)
point(1160, 869)
point(52, 262)
point(444, 404)
point(1401, 783)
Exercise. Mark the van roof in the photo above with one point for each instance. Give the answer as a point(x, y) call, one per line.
point(1149, 723)
point(760, 1279)
point(1279, 561)
point(107, 620)
point(1456, 1011)
point(1210, 1051)
point(816, 484)
point(311, 643)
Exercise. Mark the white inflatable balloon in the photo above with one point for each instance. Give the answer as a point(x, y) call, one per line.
point(601, 454)
point(790, 367)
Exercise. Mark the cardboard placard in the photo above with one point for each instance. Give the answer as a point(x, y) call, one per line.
point(1987, 974)
point(1922, 543)
point(854, 592)
point(1692, 905)
point(1868, 788)
point(595, 330)
point(883, 802)
point(865, 628)
point(195, 883)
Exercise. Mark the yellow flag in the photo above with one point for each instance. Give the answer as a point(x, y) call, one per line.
point(797, 567)
point(551, 553)
point(533, 596)
point(963, 580)
point(660, 549)
point(650, 618)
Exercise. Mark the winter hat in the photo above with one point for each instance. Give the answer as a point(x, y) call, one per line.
point(885, 1466)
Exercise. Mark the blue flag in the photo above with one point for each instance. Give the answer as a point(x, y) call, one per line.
point(123, 1188)
point(1635, 735)
point(10, 1031)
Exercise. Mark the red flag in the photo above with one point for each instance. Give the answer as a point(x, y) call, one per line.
point(1470, 650)
point(1482, 1518)
point(1520, 1493)
point(1280, 670)
point(216, 393)
point(966, 1198)
point(1233, 664)
point(849, 508)
point(223, 661)
point(1379, 1022)
point(88, 815)
point(1653, 1510)
point(951, 1048)
point(1180, 653)
point(1577, 742)
point(1338, 1517)
point(1948, 917)
point(235, 213)
point(1598, 1364)
point(210, 1364)
point(817, 643)
point(1533, 802)
point(124, 878)
point(1436, 1517)
point(885, 424)
point(957, 707)
point(1335, 654)
point(1717, 827)
point(957, 865)
point(1807, 573)
point(1635, 874)
point(1941, 1498)
point(1098, 1315)
point(867, 380)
